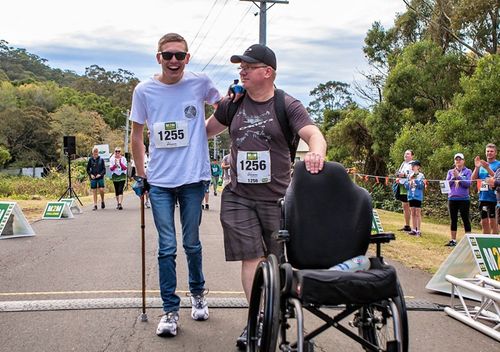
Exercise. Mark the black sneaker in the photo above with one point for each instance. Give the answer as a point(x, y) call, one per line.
point(405, 228)
point(207, 207)
point(103, 205)
point(452, 243)
point(241, 342)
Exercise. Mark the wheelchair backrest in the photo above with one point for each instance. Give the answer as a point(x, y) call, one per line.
point(327, 216)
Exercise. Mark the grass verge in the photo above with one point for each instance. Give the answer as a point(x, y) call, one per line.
point(426, 252)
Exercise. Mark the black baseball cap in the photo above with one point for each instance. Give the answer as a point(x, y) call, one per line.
point(415, 162)
point(256, 53)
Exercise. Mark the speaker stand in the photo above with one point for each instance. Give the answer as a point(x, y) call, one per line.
point(70, 191)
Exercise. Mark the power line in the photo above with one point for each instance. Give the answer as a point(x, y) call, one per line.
point(208, 31)
point(205, 20)
point(227, 38)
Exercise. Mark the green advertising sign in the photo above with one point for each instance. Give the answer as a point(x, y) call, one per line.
point(487, 255)
point(56, 210)
point(5, 211)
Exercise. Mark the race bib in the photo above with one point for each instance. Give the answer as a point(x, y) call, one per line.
point(484, 187)
point(171, 134)
point(254, 167)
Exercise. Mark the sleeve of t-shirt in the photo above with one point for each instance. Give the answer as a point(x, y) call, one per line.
point(297, 114)
point(212, 93)
point(138, 111)
point(222, 110)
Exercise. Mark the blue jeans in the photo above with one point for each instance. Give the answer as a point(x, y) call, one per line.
point(163, 205)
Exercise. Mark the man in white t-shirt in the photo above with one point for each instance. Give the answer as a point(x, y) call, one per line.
point(172, 104)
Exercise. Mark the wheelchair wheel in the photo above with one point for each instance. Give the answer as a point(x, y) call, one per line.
point(385, 324)
point(263, 312)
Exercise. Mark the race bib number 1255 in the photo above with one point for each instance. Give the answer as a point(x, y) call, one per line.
point(171, 134)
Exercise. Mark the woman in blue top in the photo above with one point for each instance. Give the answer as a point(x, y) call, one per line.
point(414, 185)
point(459, 179)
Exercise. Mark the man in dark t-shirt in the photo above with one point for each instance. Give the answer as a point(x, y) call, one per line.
point(260, 162)
point(96, 170)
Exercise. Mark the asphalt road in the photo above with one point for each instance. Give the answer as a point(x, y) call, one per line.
point(75, 286)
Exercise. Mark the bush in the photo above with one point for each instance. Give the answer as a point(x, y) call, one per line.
point(52, 186)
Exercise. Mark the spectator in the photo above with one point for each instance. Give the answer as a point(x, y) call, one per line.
point(487, 199)
point(118, 168)
point(459, 179)
point(96, 171)
point(415, 186)
point(216, 173)
point(494, 183)
point(402, 175)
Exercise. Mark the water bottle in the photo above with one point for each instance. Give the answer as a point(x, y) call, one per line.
point(361, 262)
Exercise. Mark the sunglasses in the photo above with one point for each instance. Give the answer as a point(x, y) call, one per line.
point(168, 55)
point(118, 151)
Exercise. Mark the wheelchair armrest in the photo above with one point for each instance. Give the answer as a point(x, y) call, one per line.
point(383, 237)
point(379, 238)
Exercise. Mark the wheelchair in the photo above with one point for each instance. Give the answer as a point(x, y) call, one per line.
point(325, 220)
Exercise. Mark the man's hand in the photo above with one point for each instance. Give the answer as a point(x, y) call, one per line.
point(485, 164)
point(477, 161)
point(140, 185)
point(314, 162)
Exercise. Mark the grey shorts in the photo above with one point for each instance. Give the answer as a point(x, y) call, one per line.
point(248, 226)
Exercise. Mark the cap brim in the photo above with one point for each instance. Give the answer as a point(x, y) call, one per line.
point(236, 59)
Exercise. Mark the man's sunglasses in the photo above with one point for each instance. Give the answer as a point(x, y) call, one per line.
point(167, 55)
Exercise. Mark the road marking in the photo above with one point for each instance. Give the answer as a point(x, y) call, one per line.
point(59, 293)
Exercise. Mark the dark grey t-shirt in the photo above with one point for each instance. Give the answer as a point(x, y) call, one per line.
point(255, 127)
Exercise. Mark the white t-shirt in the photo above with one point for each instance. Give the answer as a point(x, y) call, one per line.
point(175, 116)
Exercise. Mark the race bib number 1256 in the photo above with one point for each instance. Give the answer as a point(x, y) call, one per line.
point(254, 167)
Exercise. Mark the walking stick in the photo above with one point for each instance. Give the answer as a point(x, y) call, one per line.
point(143, 315)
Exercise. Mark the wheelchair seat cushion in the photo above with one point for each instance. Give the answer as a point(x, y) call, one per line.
point(329, 287)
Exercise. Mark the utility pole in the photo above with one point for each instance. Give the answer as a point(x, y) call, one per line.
point(262, 5)
point(125, 147)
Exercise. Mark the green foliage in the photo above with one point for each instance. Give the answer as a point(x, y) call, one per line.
point(26, 133)
point(331, 95)
point(4, 155)
point(423, 80)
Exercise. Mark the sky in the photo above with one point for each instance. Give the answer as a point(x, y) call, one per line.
point(315, 41)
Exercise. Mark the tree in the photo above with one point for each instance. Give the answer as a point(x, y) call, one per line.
point(424, 80)
point(4, 155)
point(329, 96)
point(350, 142)
point(27, 136)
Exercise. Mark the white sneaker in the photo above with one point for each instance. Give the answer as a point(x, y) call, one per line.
point(167, 327)
point(146, 204)
point(199, 306)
